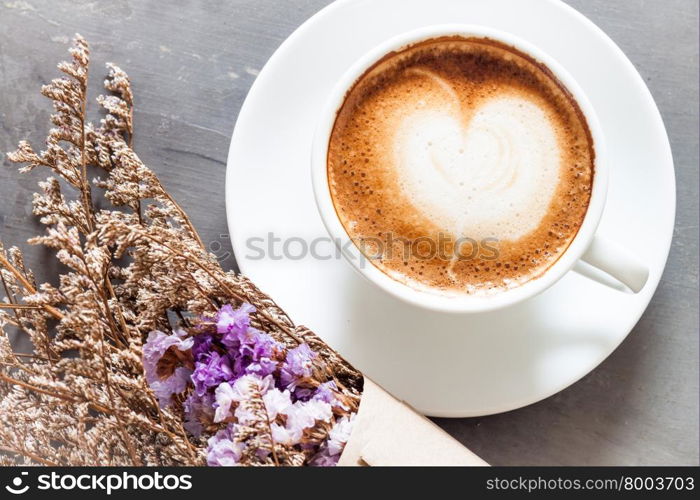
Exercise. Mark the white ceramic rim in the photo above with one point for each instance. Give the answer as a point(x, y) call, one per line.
point(443, 303)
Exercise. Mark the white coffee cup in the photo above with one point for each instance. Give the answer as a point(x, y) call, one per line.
point(587, 246)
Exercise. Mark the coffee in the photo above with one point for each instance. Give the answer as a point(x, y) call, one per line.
point(460, 165)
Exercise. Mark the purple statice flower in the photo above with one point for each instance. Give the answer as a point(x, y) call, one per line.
point(157, 344)
point(211, 371)
point(174, 384)
point(223, 449)
point(303, 393)
point(250, 385)
point(277, 402)
point(195, 408)
point(255, 353)
point(233, 322)
point(297, 365)
point(251, 350)
point(324, 459)
point(327, 392)
point(155, 347)
point(242, 389)
point(285, 435)
point(224, 398)
point(305, 414)
point(331, 450)
point(234, 365)
point(339, 435)
point(245, 415)
point(257, 344)
point(262, 367)
point(300, 416)
point(202, 345)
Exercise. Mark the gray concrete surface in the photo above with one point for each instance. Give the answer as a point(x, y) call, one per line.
point(192, 63)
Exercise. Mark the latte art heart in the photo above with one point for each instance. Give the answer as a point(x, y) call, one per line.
point(457, 140)
point(492, 175)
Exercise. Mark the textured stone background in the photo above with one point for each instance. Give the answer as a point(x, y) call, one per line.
point(192, 63)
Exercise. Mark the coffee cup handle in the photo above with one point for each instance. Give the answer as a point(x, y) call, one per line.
point(618, 262)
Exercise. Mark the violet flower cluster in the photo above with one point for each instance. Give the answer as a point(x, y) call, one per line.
point(230, 373)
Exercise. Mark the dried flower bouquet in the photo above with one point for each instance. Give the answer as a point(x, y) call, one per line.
point(146, 352)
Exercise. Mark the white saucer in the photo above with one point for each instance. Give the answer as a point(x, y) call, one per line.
point(443, 365)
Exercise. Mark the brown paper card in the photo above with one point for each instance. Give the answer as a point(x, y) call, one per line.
point(389, 432)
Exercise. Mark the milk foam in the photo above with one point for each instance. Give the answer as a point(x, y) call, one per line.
point(492, 174)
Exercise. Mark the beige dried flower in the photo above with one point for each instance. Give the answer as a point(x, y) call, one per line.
point(80, 397)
